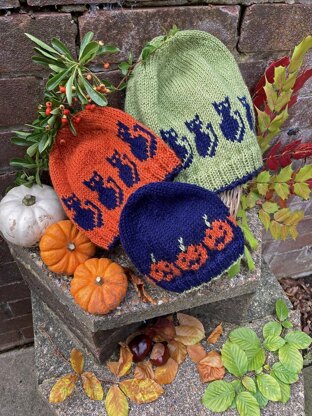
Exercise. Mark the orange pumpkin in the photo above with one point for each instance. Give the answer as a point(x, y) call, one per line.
point(99, 285)
point(219, 235)
point(193, 258)
point(63, 247)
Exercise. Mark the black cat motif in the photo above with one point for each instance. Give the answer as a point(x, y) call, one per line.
point(111, 195)
point(206, 141)
point(249, 115)
point(181, 146)
point(232, 124)
point(143, 145)
point(127, 169)
point(86, 218)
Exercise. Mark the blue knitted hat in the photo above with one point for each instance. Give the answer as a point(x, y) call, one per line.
point(179, 235)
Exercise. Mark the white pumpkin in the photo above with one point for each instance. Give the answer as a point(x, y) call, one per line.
point(25, 213)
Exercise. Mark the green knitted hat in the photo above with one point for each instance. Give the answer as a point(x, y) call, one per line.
point(191, 93)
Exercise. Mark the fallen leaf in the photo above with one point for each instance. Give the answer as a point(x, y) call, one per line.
point(63, 388)
point(213, 359)
point(141, 391)
point(123, 366)
point(76, 360)
point(139, 287)
point(116, 403)
point(187, 320)
point(162, 330)
point(208, 373)
point(177, 351)
point(215, 334)
point(166, 373)
point(188, 335)
point(144, 370)
point(92, 386)
point(196, 352)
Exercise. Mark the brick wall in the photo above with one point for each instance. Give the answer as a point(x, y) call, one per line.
point(255, 33)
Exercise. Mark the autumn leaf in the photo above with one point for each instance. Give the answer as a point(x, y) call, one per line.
point(196, 352)
point(116, 403)
point(213, 359)
point(123, 366)
point(162, 330)
point(144, 370)
point(76, 360)
point(166, 373)
point(63, 388)
point(141, 391)
point(215, 334)
point(92, 386)
point(208, 373)
point(187, 320)
point(177, 351)
point(139, 287)
point(189, 335)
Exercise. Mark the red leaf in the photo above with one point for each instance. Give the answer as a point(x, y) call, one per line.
point(302, 79)
point(272, 159)
point(303, 151)
point(292, 101)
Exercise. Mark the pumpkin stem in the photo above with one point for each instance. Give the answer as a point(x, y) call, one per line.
point(71, 246)
point(29, 200)
point(99, 280)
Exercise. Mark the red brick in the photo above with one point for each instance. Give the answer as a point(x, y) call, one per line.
point(277, 27)
point(9, 4)
point(16, 323)
point(42, 3)
point(14, 291)
point(300, 115)
point(9, 273)
point(10, 340)
point(28, 333)
point(131, 29)
point(21, 307)
point(5, 255)
point(6, 179)
point(295, 263)
point(5, 311)
point(19, 99)
point(16, 49)
point(8, 150)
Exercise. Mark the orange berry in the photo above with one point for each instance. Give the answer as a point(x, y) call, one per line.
point(48, 111)
point(106, 65)
point(62, 89)
point(48, 104)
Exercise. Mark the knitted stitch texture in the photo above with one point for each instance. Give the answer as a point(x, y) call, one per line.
point(191, 93)
point(179, 235)
point(95, 173)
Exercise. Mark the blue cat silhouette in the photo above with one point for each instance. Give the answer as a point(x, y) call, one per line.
point(180, 146)
point(142, 145)
point(86, 218)
point(127, 169)
point(206, 141)
point(232, 124)
point(111, 195)
point(249, 114)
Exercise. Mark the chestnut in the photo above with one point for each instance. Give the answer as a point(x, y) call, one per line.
point(160, 354)
point(140, 346)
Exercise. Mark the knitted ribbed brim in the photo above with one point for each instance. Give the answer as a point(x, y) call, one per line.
point(191, 93)
point(179, 235)
point(95, 172)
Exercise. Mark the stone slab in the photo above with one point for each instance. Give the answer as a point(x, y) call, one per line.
point(307, 373)
point(181, 398)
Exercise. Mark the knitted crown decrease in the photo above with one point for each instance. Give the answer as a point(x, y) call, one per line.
point(179, 235)
point(95, 173)
point(191, 93)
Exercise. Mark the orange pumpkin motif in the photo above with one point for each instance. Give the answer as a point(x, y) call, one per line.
point(99, 285)
point(63, 247)
point(163, 270)
point(193, 258)
point(219, 235)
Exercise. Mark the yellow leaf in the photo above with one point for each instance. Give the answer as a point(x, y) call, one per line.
point(282, 215)
point(166, 373)
point(279, 76)
point(177, 351)
point(188, 335)
point(284, 232)
point(290, 82)
point(279, 120)
point(92, 386)
point(293, 232)
point(295, 218)
point(304, 174)
point(264, 120)
point(196, 352)
point(188, 320)
point(63, 388)
point(123, 366)
point(302, 190)
point(271, 95)
point(262, 188)
point(141, 391)
point(215, 334)
point(76, 360)
point(265, 219)
point(282, 190)
point(275, 230)
point(116, 403)
point(144, 370)
point(299, 52)
point(285, 174)
point(283, 99)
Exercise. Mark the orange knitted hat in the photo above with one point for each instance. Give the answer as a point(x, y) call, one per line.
point(95, 172)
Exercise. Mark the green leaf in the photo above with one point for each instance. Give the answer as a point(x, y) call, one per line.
point(31, 151)
point(285, 389)
point(281, 310)
point(291, 358)
point(284, 374)
point(250, 262)
point(107, 49)
point(44, 143)
point(304, 174)
point(19, 142)
point(282, 190)
point(234, 359)
point(234, 269)
point(270, 207)
point(218, 396)
point(273, 342)
point(265, 219)
point(287, 324)
point(247, 404)
point(41, 44)
point(263, 176)
point(285, 174)
point(256, 358)
point(95, 96)
point(264, 120)
point(245, 338)
point(278, 121)
point(237, 386)
point(249, 384)
point(19, 162)
point(262, 188)
point(61, 48)
point(298, 53)
point(249, 237)
point(85, 41)
point(55, 81)
point(272, 328)
point(262, 401)
point(298, 339)
point(302, 190)
point(147, 50)
point(69, 88)
point(89, 52)
point(269, 387)
point(46, 54)
point(124, 67)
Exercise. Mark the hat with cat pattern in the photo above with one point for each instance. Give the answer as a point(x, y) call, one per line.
point(190, 92)
point(95, 172)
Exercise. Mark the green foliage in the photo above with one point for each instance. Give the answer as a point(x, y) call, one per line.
point(257, 383)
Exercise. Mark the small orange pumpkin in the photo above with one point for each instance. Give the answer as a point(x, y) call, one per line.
point(99, 285)
point(219, 235)
point(193, 258)
point(63, 247)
